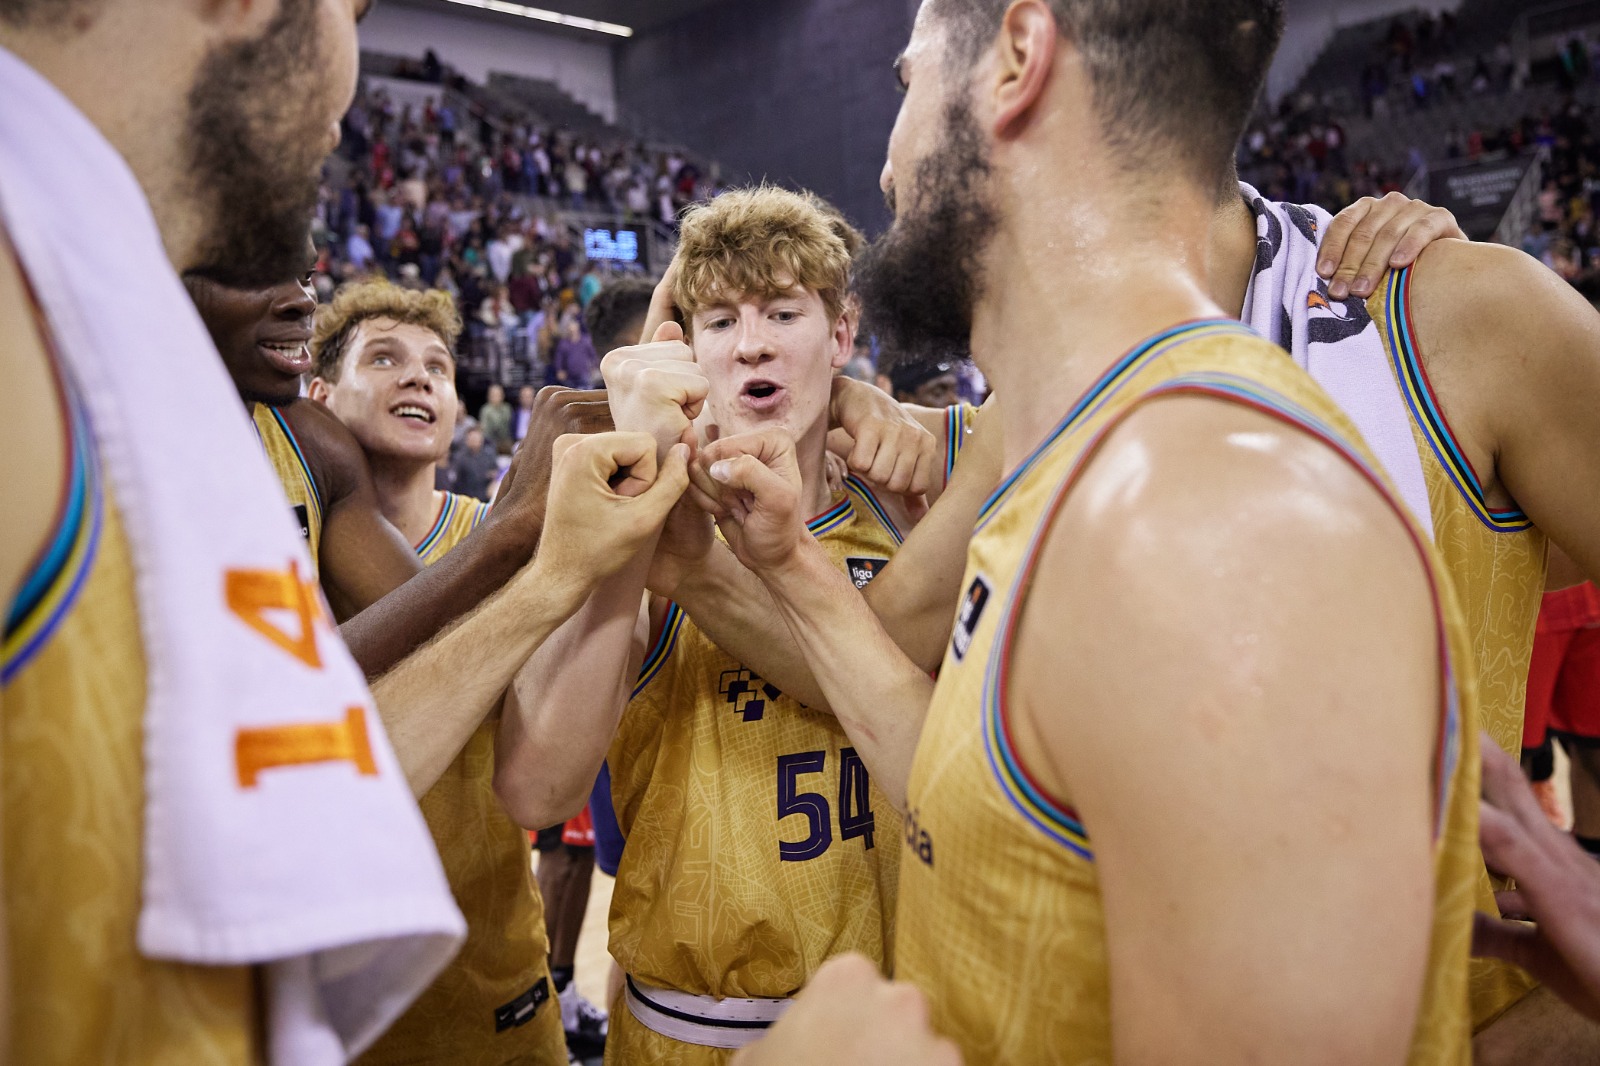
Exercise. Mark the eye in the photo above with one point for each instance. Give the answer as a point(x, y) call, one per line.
point(900, 73)
point(382, 360)
point(719, 323)
point(787, 316)
point(436, 368)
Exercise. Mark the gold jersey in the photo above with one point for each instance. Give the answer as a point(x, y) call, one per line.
point(457, 516)
point(294, 473)
point(495, 1003)
point(1001, 920)
point(72, 690)
point(1496, 562)
point(957, 424)
point(757, 845)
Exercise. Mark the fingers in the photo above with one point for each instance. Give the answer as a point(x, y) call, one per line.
point(746, 473)
point(603, 454)
point(1332, 252)
point(667, 331)
point(1512, 906)
point(1514, 942)
point(705, 491)
point(1354, 255)
point(1428, 225)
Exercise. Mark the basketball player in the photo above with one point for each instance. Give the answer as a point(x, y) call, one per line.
point(755, 838)
point(1161, 574)
point(264, 338)
point(382, 363)
point(204, 126)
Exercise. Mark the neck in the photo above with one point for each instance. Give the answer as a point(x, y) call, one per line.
point(132, 102)
point(811, 455)
point(1231, 250)
point(405, 495)
point(1074, 281)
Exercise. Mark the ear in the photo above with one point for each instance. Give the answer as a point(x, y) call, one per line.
point(844, 340)
point(318, 390)
point(237, 19)
point(1027, 44)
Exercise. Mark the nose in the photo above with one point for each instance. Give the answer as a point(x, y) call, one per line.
point(886, 178)
point(413, 375)
point(752, 346)
point(293, 300)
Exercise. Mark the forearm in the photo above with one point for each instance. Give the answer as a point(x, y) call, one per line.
point(732, 606)
point(564, 705)
point(407, 618)
point(436, 697)
point(879, 696)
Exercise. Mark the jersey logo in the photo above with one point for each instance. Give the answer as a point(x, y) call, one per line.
point(746, 693)
point(863, 570)
point(918, 842)
point(302, 516)
point(972, 605)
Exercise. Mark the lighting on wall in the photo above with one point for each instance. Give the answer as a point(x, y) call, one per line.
point(575, 21)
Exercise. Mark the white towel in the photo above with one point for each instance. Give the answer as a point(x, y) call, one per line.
point(1335, 341)
point(324, 869)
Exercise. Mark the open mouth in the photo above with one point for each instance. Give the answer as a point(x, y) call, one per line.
point(413, 412)
point(287, 357)
point(761, 395)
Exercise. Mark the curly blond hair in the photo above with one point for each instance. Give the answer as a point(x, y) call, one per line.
point(360, 301)
point(759, 242)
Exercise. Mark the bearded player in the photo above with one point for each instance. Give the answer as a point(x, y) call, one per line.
point(1159, 575)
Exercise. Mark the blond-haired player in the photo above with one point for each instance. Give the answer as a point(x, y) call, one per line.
point(382, 362)
point(757, 843)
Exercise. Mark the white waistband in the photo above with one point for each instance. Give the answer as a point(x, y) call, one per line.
point(704, 1020)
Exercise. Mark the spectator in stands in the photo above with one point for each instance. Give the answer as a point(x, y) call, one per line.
point(473, 467)
point(926, 384)
point(522, 417)
point(574, 362)
point(495, 419)
point(358, 250)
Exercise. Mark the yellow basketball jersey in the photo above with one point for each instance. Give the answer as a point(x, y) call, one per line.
point(757, 846)
point(1000, 920)
point(72, 686)
point(494, 1004)
point(1496, 561)
point(458, 515)
point(957, 424)
point(289, 463)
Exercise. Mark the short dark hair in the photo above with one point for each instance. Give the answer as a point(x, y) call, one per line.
point(1173, 81)
point(613, 309)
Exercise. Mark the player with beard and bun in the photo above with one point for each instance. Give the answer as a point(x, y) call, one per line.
point(174, 700)
point(1194, 559)
point(382, 364)
point(264, 338)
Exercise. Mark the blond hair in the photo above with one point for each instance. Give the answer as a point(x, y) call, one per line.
point(759, 242)
point(360, 301)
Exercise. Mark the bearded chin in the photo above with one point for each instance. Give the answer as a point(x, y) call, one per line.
point(253, 138)
point(920, 281)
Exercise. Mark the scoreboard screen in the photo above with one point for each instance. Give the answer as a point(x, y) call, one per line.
point(625, 244)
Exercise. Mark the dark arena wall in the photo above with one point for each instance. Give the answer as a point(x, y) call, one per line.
point(799, 92)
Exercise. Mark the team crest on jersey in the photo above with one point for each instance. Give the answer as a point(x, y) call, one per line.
point(863, 570)
point(972, 605)
point(746, 693)
point(303, 518)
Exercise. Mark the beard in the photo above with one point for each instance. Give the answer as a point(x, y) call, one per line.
point(254, 140)
point(920, 281)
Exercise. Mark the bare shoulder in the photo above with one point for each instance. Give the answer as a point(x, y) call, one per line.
point(335, 455)
point(32, 433)
point(1213, 561)
point(1512, 334)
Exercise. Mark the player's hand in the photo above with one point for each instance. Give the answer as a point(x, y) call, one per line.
point(1558, 889)
point(1373, 234)
point(685, 542)
point(608, 497)
point(519, 508)
point(850, 1014)
point(656, 388)
point(887, 447)
point(662, 306)
point(757, 486)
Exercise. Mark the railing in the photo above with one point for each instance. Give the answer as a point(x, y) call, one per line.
point(1524, 202)
point(1417, 185)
